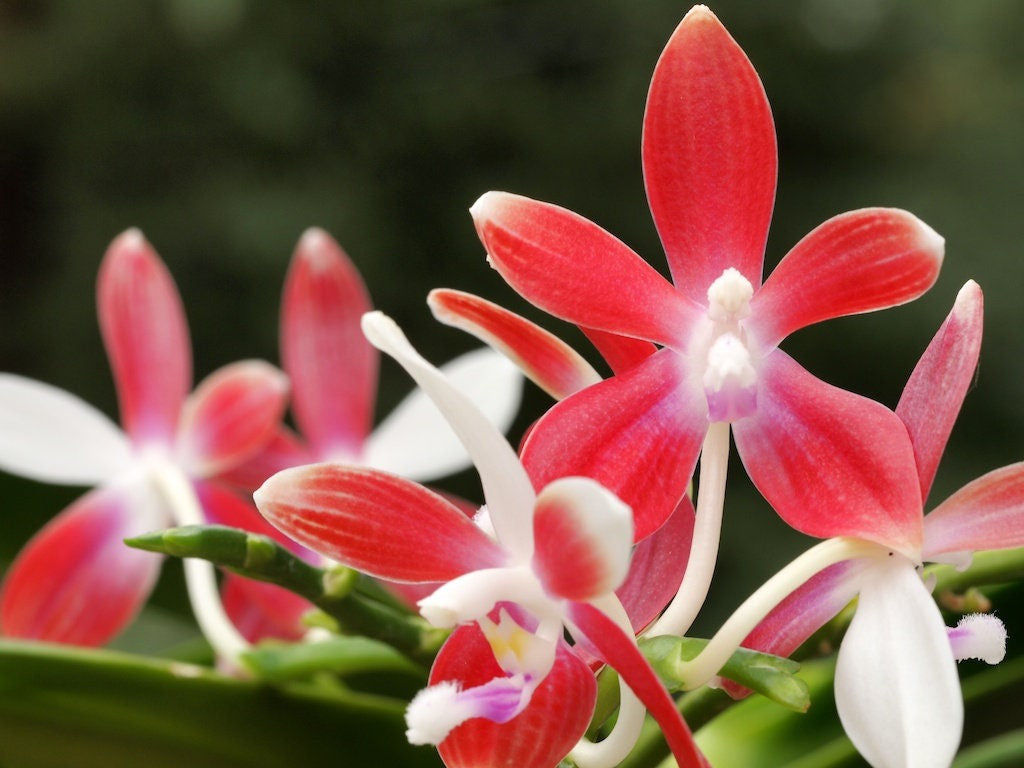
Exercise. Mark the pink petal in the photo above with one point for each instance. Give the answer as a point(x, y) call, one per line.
point(332, 369)
point(985, 514)
point(638, 434)
point(144, 330)
point(937, 387)
point(76, 582)
point(540, 736)
point(620, 652)
point(855, 262)
point(575, 270)
point(803, 613)
point(262, 611)
point(376, 522)
point(657, 567)
point(284, 450)
point(232, 415)
point(583, 536)
point(548, 361)
point(830, 462)
point(709, 156)
point(620, 352)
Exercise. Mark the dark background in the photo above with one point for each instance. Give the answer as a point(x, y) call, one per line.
point(223, 128)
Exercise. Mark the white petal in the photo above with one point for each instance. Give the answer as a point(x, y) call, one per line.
point(50, 435)
point(507, 489)
point(897, 689)
point(415, 441)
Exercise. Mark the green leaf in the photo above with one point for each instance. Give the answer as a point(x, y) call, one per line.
point(772, 676)
point(63, 707)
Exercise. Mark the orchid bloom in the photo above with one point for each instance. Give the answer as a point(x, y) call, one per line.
point(333, 373)
point(709, 161)
point(896, 686)
point(530, 566)
point(75, 582)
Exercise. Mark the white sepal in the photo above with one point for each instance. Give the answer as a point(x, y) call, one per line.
point(896, 684)
point(50, 435)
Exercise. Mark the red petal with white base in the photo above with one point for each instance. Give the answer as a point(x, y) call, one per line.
point(855, 262)
point(233, 414)
point(932, 398)
point(146, 336)
point(377, 523)
point(985, 514)
point(830, 462)
point(657, 567)
point(583, 536)
point(76, 582)
point(620, 652)
point(803, 613)
point(261, 611)
point(638, 434)
point(575, 270)
point(332, 369)
point(545, 359)
point(709, 156)
point(541, 735)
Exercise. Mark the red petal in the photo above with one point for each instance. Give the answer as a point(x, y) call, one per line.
point(76, 582)
point(548, 361)
point(937, 387)
point(855, 262)
point(284, 450)
point(832, 463)
point(802, 614)
point(621, 652)
point(709, 156)
point(232, 414)
point(377, 523)
point(620, 352)
point(261, 611)
point(144, 330)
point(332, 368)
point(657, 568)
point(637, 434)
point(541, 735)
point(985, 514)
point(575, 270)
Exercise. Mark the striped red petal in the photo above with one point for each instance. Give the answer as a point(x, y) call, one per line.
point(545, 359)
point(985, 514)
point(232, 415)
point(575, 270)
point(146, 336)
point(709, 156)
point(540, 736)
point(377, 523)
point(932, 398)
point(830, 462)
point(76, 582)
point(638, 434)
point(855, 262)
point(332, 368)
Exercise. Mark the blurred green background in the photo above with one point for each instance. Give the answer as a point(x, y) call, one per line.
point(223, 128)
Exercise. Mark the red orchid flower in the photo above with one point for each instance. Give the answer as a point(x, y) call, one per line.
point(896, 686)
point(333, 373)
point(531, 566)
point(75, 582)
point(709, 161)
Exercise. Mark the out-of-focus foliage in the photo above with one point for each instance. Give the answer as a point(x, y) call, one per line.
point(223, 128)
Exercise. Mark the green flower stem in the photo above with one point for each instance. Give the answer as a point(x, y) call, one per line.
point(993, 567)
point(335, 590)
point(341, 655)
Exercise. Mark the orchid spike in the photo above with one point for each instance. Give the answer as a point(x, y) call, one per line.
point(709, 160)
point(513, 581)
point(896, 686)
point(75, 582)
